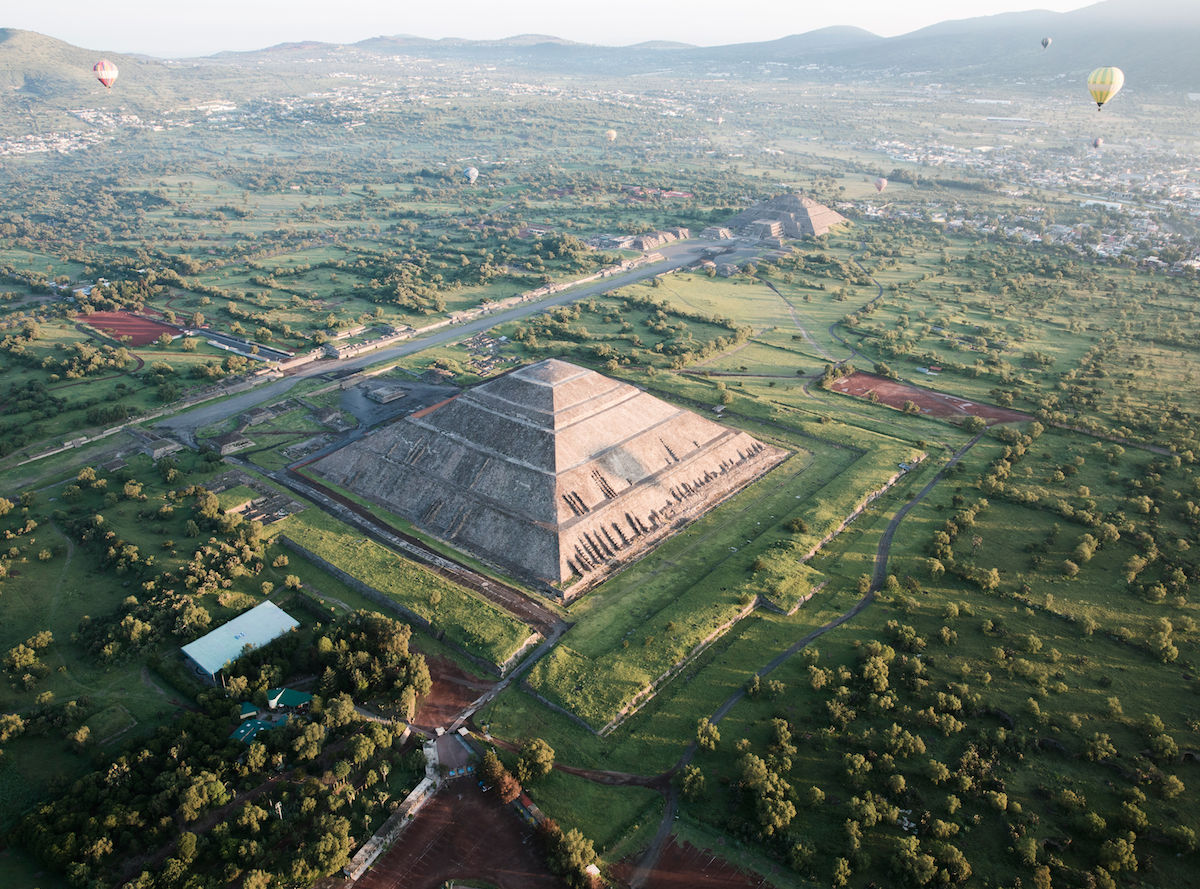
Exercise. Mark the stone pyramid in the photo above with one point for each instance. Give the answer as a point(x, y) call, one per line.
point(551, 471)
point(800, 216)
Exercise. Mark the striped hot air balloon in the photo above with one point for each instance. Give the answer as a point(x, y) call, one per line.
point(106, 72)
point(1104, 83)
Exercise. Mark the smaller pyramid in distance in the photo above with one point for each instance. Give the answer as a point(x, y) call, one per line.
point(797, 216)
point(551, 471)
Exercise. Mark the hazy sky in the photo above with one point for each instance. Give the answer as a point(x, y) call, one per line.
point(181, 27)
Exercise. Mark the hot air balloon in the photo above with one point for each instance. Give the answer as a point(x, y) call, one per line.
point(1046, 41)
point(1097, 142)
point(611, 135)
point(880, 184)
point(1104, 83)
point(106, 72)
point(470, 174)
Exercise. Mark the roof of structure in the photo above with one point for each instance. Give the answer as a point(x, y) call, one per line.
point(288, 697)
point(247, 729)
point(551, 470)
point(254, 628)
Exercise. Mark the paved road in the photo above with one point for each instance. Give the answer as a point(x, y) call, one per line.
point(185, 425)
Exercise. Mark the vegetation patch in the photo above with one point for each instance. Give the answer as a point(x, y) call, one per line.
point(463, 618)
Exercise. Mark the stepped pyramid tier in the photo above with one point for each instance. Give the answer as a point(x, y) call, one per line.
point(797, 216)
point(551, 471)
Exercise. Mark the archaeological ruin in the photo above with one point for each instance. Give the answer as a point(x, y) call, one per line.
point(552, 472)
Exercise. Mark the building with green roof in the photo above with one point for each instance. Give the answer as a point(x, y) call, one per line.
point(246, 731)
point(288, 698)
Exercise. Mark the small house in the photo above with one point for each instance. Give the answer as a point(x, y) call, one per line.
point(288, 699)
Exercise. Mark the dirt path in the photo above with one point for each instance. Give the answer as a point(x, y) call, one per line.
point(645, 867)
point(817, 347)
point(661, 782)
point(854, 353)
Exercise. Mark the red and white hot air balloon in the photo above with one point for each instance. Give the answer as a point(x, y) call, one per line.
point(106, 72)
point(880, 184)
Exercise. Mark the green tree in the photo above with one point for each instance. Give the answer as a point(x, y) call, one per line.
point(707, 735)
point(536, 761)
point(691, 782)
point(841, 872)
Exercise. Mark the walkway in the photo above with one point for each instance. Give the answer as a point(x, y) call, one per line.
point(650, 859)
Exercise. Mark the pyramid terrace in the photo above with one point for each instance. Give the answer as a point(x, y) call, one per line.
point(552, 472)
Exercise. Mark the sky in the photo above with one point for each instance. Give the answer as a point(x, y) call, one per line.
point(176, 28)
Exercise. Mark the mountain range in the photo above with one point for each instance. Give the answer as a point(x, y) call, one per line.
point(1154, 41)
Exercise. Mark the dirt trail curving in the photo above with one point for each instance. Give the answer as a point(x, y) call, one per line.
point(644, 875)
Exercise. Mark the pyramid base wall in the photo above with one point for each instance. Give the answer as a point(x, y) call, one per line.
point(670, 523)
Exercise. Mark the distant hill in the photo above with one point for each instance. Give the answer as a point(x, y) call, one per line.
point(41, 78)
point(36, 65)
point(812, 46)
point(1154, 41)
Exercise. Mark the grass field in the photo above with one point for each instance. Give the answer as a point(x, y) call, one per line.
point(260, 235)
point(466, 619)
point(647, 619)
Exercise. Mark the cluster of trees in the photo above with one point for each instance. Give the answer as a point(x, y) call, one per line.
point(918, 804)
point(169, 602)
point(834, 372)
point(147, 818)
point(568, 853)
point(50, 719)
point(368, 656)
point(208, 809)
point(1160, 570)
point(562, 329)
point(24, 663)
point(80, 359)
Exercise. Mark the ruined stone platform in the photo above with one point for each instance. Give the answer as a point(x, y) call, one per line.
point(551, 471)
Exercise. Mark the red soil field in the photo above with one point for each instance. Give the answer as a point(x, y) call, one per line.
point(686, 867)
point(462, 834)
point(452, 691)
point(141, 331)
point(933, 404)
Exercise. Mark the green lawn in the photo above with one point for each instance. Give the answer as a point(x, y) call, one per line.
point(465, 618)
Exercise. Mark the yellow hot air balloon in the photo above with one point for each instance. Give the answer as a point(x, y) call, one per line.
point(1104, 83)
point(610, 135)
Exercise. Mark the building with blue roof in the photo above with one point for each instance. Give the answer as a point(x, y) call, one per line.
point(247, 729)
point(252, 629)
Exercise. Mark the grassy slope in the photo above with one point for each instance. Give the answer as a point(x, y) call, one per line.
point(465, 618)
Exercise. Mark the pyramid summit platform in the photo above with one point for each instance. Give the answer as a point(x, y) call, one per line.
point(553, 472)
